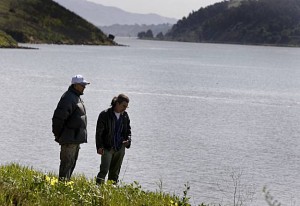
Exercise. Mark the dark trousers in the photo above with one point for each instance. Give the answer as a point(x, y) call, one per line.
point(111, 162)
point(68, 158)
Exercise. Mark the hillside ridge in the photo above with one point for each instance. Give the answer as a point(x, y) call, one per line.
point(255, 22)
point(45, 21)
point(101, 15)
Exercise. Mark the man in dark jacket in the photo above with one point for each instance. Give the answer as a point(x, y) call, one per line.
point(69, 126)
point(113, 134)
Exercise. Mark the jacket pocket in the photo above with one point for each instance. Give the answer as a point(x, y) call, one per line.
point(81, 135)
point(67, 136)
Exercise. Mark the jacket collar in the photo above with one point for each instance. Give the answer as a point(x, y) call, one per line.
point(71, 89)
point(112, 114)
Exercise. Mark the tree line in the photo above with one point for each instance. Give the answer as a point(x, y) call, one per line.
point(270, 22)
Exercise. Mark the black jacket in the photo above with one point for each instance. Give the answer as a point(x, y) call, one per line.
point(69, 119)
point(106, 128)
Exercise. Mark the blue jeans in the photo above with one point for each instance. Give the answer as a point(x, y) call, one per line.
point(68, 158)
point(111, 162)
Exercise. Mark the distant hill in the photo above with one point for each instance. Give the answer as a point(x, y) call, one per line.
point(133, 30)
point(101, 15)
point(267, 22)
point(45, 21)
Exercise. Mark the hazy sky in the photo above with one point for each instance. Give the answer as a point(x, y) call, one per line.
point(167, 8)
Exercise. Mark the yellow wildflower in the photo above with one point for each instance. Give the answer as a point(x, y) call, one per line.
point(173, 203)
point(54, 181)
point(51, 180)
point(48, 179)
point(69, 183)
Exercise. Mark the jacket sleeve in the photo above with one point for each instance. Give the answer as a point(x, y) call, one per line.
point(62, 112)
point(99, 131)
point(128, 133)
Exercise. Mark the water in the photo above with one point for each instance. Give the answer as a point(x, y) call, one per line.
point(201, 114)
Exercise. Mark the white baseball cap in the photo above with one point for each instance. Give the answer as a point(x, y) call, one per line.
point(78, 79)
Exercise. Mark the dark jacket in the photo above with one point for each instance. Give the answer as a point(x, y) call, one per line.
point(69, 119)
point(106, 128)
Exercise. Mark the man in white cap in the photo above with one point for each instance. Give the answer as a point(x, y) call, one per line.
point(69, 126)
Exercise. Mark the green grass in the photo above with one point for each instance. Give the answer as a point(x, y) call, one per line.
point(7, 41)
point(25, 186)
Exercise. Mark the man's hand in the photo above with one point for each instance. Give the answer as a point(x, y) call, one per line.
point(126, 143)
point(100, 151)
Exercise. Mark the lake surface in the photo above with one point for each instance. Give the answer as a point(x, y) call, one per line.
point(209, 115)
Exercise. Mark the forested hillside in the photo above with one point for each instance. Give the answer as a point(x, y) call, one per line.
point(45, 21)
point(268, 22)
point(7, 41)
